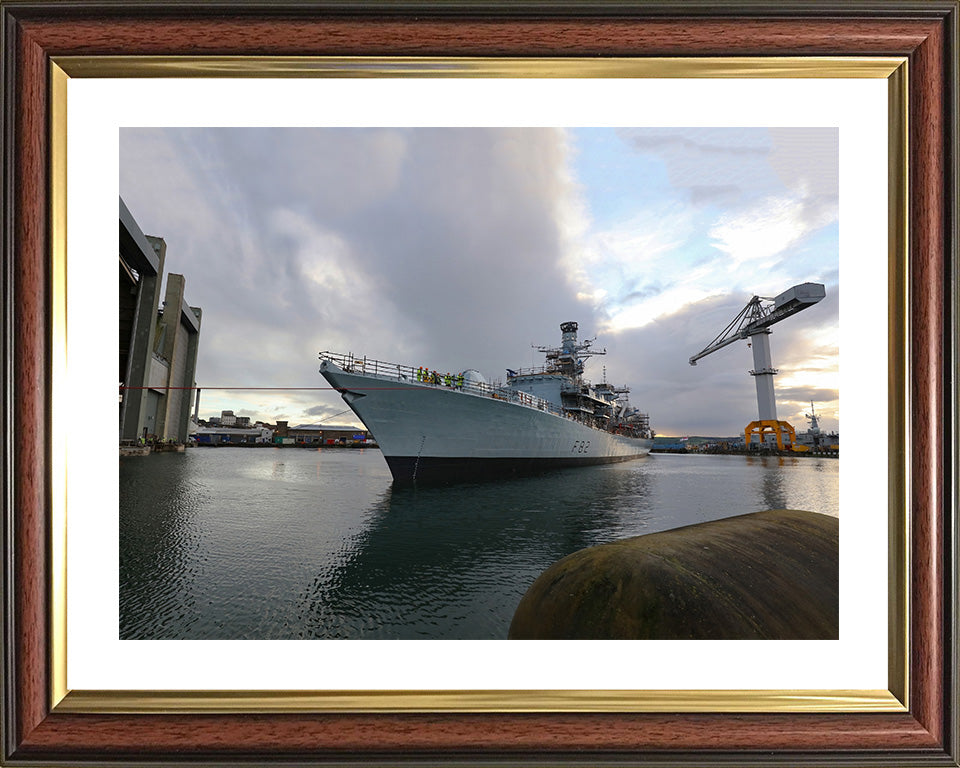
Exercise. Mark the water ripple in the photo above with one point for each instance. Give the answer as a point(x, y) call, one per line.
point(291, 543)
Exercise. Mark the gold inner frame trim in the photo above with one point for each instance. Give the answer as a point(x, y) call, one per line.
point(893, 69)
point(58, 366)
point(543, 701)
point(427, 66)
point(898, 383)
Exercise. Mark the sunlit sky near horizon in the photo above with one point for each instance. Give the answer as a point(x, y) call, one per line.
point(461, 248)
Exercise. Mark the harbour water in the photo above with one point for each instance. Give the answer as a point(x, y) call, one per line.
point(271, 543)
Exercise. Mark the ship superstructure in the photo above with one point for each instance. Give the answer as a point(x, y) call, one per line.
point(443, 427)
point(561, 382)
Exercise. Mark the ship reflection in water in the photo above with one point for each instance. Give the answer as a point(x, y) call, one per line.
point(290, 543)
point(436, 561)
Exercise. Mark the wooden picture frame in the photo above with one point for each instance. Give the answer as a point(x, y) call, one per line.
point(37, 34)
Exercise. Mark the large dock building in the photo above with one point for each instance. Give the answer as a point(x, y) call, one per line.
point(158, 342)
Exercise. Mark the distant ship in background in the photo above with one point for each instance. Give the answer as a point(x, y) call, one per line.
point(814, 438)
point(438, 428)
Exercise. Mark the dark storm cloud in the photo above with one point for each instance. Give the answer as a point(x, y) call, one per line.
point(433, 247)
point(468, 244)
point(448, 248)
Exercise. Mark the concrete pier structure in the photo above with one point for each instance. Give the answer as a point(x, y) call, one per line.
point(158, 343)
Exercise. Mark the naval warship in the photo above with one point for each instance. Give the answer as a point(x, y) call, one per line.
point(440, 428)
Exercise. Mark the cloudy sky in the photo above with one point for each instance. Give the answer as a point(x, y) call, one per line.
point(454, 248)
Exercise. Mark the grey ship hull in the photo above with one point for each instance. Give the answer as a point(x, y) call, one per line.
point(441, 434)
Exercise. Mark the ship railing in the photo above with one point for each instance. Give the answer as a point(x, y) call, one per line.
point(421, 376)
point(367, 365)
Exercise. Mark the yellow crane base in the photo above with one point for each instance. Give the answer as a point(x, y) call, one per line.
point(761, 428)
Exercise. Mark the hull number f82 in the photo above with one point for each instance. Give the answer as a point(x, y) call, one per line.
point(580, 446)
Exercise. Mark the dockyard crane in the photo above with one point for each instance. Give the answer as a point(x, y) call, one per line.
point(753, 323)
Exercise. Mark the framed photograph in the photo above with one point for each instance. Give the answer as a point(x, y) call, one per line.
point(86, 86)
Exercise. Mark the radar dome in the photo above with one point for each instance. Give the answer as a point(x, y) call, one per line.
point(471, 376)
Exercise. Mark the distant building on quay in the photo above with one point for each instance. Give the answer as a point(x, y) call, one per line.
point(327, 434)
point(214, 431)
point(158, 342)
point(219, 435)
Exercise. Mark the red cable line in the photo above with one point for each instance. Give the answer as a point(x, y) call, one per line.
point(284, 389)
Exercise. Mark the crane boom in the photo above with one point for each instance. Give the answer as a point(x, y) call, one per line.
point(757, 318)
point(753, 322)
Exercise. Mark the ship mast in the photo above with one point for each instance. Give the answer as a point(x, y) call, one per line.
point(569, 357)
